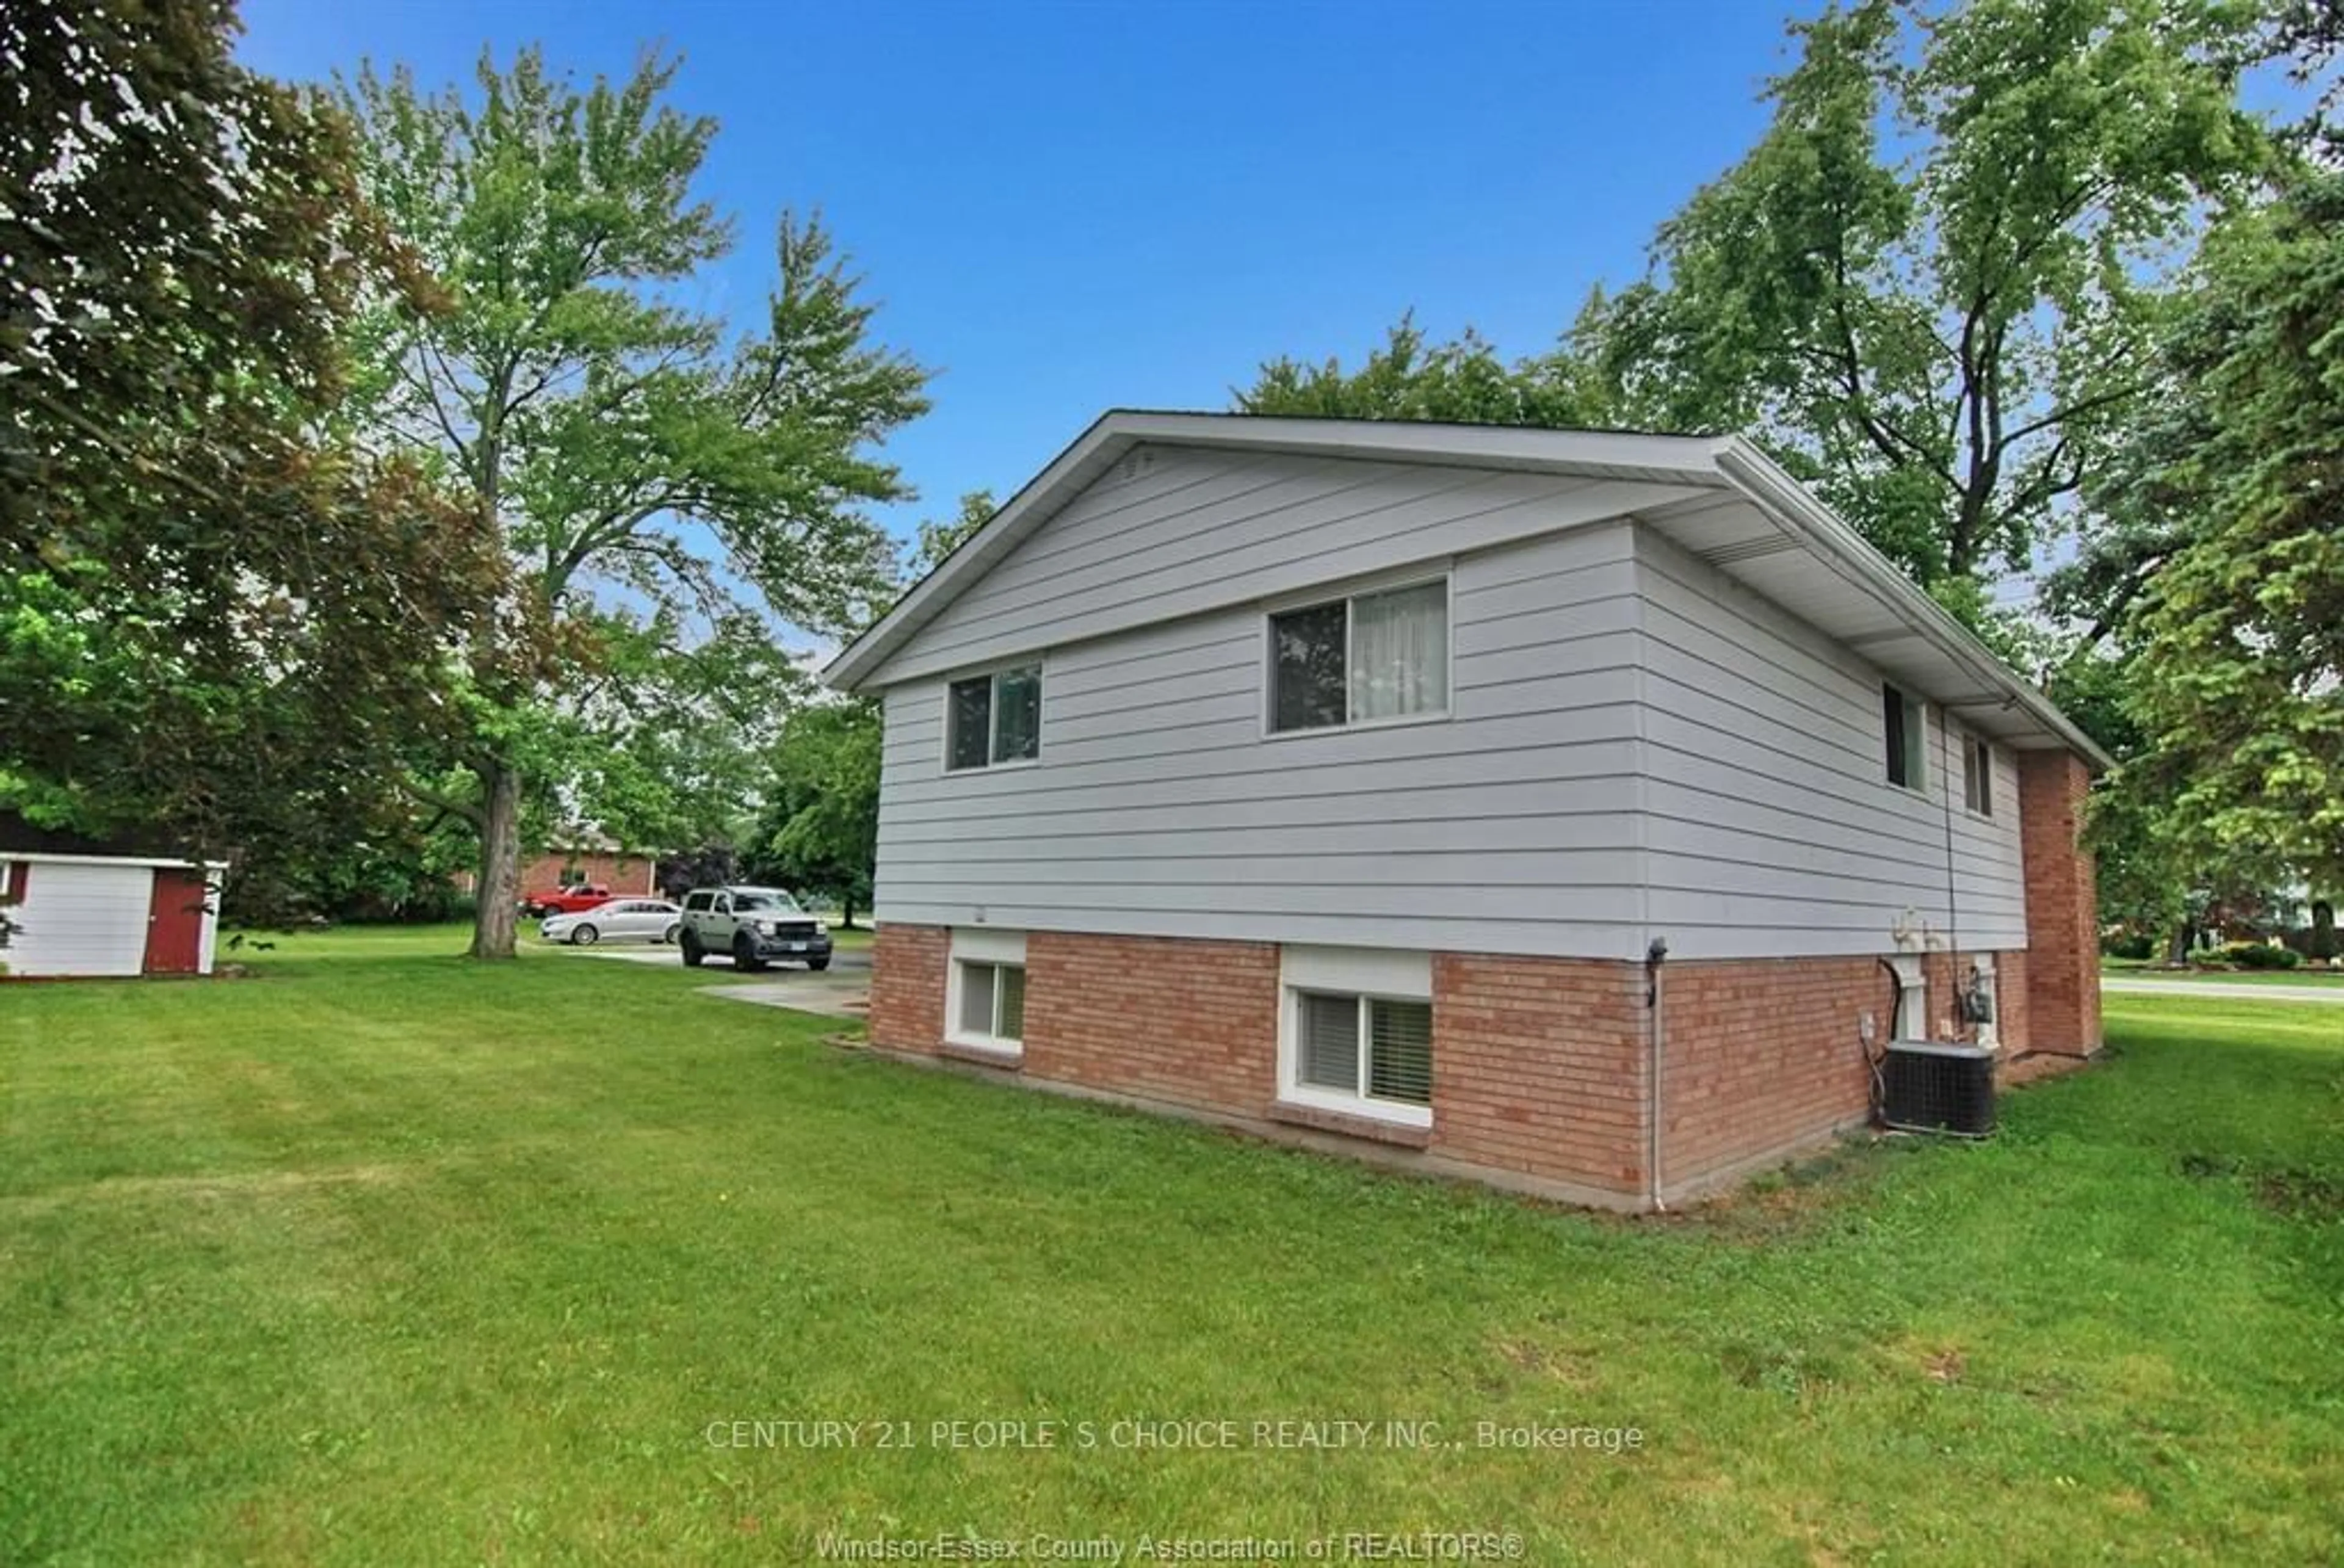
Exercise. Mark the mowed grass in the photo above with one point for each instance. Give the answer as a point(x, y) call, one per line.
point(381, 1258)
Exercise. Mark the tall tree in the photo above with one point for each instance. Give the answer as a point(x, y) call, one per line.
point(621, 441)
point(2239, 634)
point(218, 622)
point(1930, 289)
point(1933, 285)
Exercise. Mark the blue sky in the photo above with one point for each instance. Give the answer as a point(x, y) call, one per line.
point(1070, 207)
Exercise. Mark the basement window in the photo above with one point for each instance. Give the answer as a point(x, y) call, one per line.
point(1356, 1036)
point(1907, 733)
point(984, 1004)
point(1371, 1046)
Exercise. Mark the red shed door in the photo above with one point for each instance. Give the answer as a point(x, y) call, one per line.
point(174, 922)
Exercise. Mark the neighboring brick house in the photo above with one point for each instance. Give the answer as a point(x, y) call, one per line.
point(619, 870)
point(1342, 780)
point(628, 872)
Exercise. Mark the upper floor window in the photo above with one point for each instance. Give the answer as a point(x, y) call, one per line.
point(1364, 657)
point(1906, 734)
point(1977, 775)
point(995, 718)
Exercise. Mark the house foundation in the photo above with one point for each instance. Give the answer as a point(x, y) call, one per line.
point(1542, 1067)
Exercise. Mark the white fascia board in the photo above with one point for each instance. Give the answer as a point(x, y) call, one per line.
point(1833, 543)
point(1516, 447)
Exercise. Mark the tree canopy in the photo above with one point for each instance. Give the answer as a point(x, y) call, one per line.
point(653, 471)
point(1930, 289)
point(219, 622)
point(1946, 339)
point(2239, 636)
point(1463, 381)
point(819, 830)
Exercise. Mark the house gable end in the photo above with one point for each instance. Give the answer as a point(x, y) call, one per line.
point(1170, 531)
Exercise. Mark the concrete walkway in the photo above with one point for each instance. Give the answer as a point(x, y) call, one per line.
point(2227, 990)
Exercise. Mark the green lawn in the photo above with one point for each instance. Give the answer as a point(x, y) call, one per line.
point(382, 1258)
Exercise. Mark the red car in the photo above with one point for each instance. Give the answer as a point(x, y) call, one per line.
point(565, 900)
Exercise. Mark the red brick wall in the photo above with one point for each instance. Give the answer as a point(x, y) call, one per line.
point(2014, 1021)
point(1191, 1023)
point(2063, 967)
point(626, 873)
point(1537, 1062)
point(908, 987)
point(1763, 1055)
point(1538, 1066)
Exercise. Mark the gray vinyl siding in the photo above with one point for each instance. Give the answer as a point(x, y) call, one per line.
point(1772, 829)
point(1174, 533)
point(1159, 807)
point(1634, 747)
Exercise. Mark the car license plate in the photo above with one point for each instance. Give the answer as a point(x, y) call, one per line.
point(793, 946)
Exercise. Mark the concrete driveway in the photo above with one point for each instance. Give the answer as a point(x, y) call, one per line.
point(857, 959)
point(843, 991)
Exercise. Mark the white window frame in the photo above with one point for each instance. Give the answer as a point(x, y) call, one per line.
point(994, 949)
point(992, 674)
point(1979, 749)
point(1362, 975)
point(1916, 749)
point(1316, 598)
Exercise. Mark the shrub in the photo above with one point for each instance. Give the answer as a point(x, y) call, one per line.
point(2261, 956)
point(2138, 944)
point(2324, 942)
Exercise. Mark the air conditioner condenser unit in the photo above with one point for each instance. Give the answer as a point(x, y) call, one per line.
point(1932, 1087)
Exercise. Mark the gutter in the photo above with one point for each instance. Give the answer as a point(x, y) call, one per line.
point(1807, 520)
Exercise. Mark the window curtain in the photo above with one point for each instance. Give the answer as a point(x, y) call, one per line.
point(1400, 653)
point(1017, 728)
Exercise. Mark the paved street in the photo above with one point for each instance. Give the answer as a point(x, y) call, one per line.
point(2228, 990)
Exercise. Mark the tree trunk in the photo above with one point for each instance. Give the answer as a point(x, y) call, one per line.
point(847, 912)
point(497, 912)
point(2177, 951)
